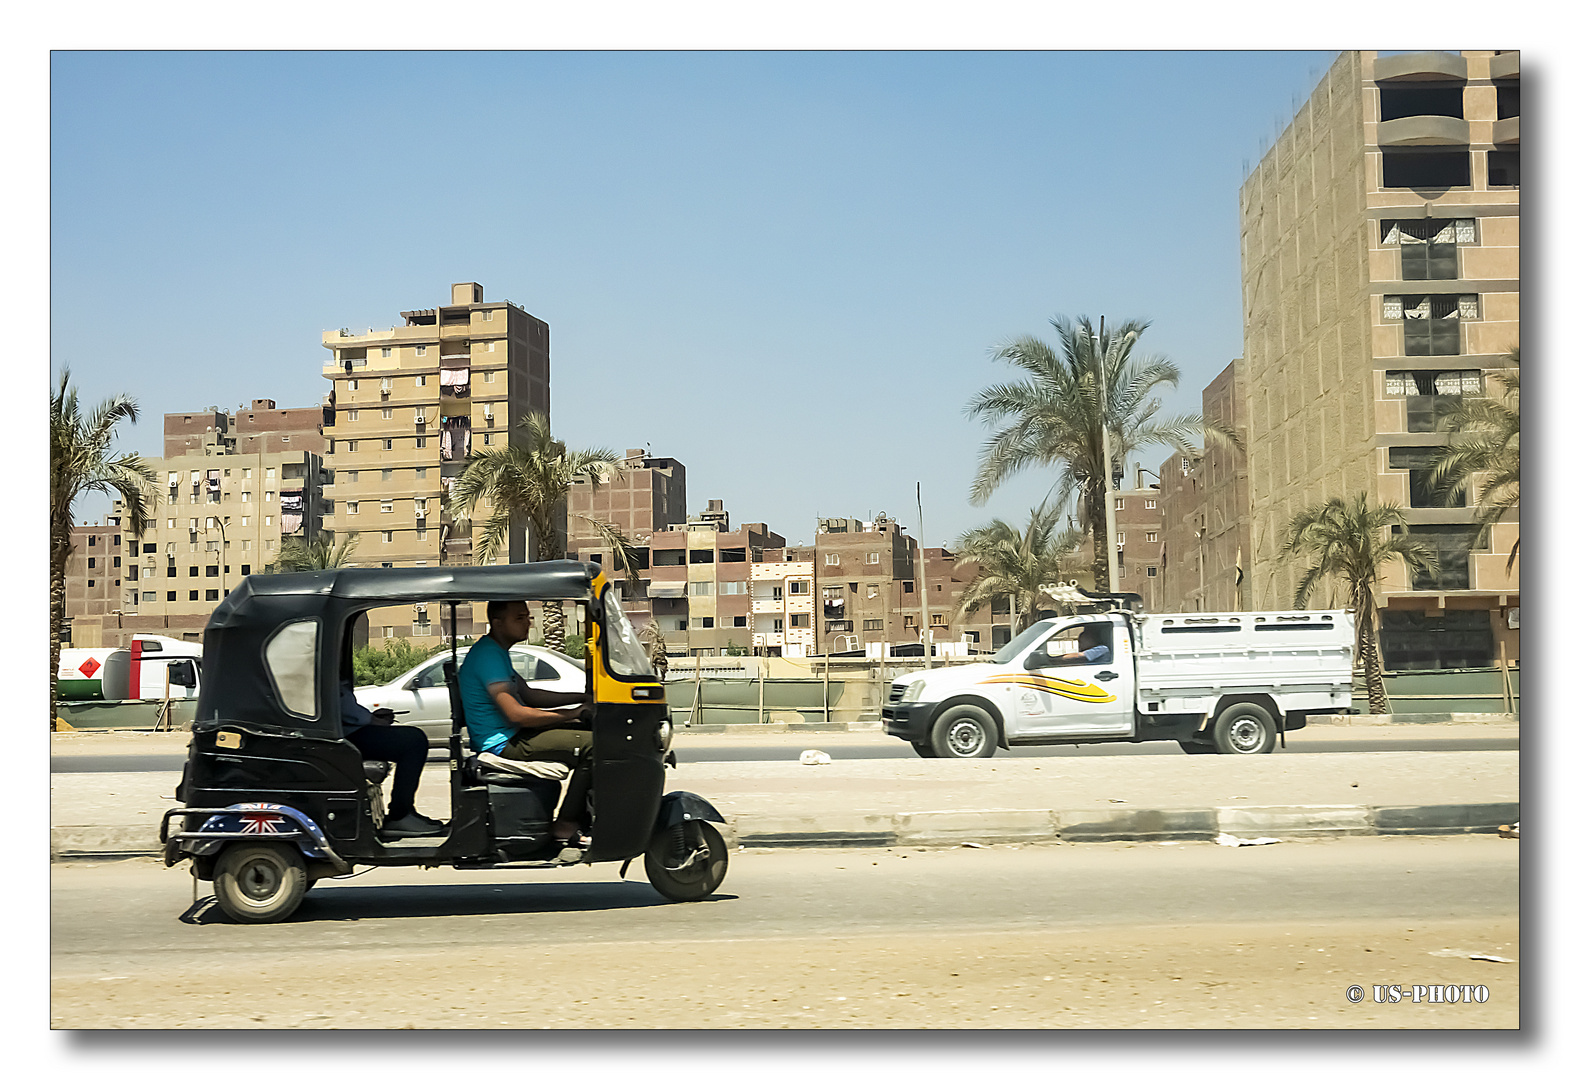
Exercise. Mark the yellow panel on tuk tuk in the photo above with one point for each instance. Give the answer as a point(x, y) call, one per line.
point(609, 688)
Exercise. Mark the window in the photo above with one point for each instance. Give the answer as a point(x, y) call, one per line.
point(872, 624)
point(1117, 504)
point(419, 474)
point(150, 549)
point(1429, 393)
point(1400, 102)
point(92, 564)
point(91, 583)
point(353, 446)
point(485, 440)
point(386, 352)
point(245, 496)
point(245, 569)
point(1120, 538)
point(706, 622)
point(419, 380)
point(354, 414)
point(797, 588)
point(354, 384)
point(419, 350)
point(386, 444)
point(798, 621)
point(1417, 641)
point(169, 523)
point(490, 376)
point(193, 571)
point(419, 444)
point(700, 588)
point(387, 506)
point(211, 571)
point(871, 558)
point(1507, 98)
point(1150, 504)
point(1417, 459)
point(1150, 571)
point(352, 508)
point(195, 593)
point(486, 315)
point(211, 594)
point(1427, 168)
point(386, 414)
point(1451, 544)
point(1504, 168)
point(939, 619)
point(831, 559)
point(170, 596)
point(1150, 538)
point(910, 622)
point(386, 537)
point(738, 620)
point(1428, 245)
point(245, 521)
point(1431, 325)
point(732, 588)
point(268, 521)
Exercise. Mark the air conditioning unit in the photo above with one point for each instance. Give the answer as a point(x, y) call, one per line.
point(419, 609)
point(418, 513)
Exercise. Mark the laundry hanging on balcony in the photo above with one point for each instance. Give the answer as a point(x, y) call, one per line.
point(455, 382)
point(455, 438)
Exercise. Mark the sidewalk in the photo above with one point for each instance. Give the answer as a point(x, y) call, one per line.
point(914, 801)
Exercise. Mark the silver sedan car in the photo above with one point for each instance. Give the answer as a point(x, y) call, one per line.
point(419, 695)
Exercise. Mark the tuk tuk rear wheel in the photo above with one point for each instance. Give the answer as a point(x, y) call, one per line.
point(259, 883)
point(663, 862)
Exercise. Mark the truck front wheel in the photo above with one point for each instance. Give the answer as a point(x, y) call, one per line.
point(1245, 728)
point(965, 731)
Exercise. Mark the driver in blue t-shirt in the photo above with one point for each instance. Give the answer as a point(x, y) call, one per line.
point(1090, 651)
point(508, 717)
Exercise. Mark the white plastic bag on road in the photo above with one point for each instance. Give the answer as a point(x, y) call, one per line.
point(1228, 840)
point(815, 757)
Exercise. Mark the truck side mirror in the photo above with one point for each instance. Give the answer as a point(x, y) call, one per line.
point(182, 673)
point(1038, 658)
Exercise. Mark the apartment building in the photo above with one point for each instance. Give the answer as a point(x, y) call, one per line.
point(231, 487)
point(649, 496)
point(1206, 558)
point(1140, 536)
point(408, 406)
point(1380, 252)
point(784, 618)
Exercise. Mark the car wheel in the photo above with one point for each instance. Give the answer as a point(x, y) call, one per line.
point(259, 883)
point(965, 731)
point(686, 861)
point(1245, 728)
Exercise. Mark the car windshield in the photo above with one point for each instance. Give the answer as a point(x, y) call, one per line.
point(1024, 642)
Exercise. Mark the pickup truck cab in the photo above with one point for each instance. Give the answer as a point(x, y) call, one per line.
point(1225, 682)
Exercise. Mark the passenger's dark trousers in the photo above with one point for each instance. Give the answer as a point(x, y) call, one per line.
point(406, 748)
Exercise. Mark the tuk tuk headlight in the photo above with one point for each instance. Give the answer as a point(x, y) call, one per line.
point(666, 732)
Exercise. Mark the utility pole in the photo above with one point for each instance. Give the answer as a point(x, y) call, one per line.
point(921, 578)
point(1106, 462)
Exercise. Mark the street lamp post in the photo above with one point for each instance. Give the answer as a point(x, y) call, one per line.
point(221, 524)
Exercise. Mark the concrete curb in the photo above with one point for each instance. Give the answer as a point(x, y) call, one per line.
point(953, 828)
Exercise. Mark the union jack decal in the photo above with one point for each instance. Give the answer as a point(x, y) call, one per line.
point(260, 823)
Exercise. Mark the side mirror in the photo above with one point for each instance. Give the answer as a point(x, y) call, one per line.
point(182, 673)
point(1038, 659)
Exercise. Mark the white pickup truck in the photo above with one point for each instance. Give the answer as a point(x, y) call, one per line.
point(1228, 682)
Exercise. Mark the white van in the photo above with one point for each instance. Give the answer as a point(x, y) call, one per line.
point(1228, 682)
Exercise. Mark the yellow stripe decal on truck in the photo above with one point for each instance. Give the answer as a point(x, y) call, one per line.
point(1074, 689)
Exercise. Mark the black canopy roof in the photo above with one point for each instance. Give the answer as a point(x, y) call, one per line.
point(236, 686)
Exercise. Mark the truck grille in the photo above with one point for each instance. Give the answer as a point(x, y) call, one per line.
point(896, 692)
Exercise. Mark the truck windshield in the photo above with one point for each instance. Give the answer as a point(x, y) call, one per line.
point(1025, 641)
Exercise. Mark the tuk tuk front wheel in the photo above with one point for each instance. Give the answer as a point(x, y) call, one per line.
point(686, 861)
point(259, 883)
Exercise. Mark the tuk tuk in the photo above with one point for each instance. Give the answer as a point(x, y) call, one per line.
point(275, 798)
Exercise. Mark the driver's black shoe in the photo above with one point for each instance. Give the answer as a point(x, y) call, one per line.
point(411, 825)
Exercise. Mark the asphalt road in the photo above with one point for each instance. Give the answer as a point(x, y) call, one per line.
point(745, 749)
point(1267, 936)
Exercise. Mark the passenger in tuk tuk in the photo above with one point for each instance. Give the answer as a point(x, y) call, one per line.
point(378, 739)
point(508, 717)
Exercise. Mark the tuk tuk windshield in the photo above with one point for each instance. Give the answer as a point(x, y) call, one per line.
point(623, 652)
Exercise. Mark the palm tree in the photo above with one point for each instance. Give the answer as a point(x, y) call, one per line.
point(1485, 439)
point(80, 461)
point(317, 553)
point(1345, 542)
point(1016, 565)
point(531, 478)
point(1055, 417)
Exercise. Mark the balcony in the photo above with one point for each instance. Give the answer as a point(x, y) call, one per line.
point(1422, 67)
point(1425, 131)
point(1507, 132)
point(1505, 66)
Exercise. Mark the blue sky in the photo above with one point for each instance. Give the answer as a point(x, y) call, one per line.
point(787, 270)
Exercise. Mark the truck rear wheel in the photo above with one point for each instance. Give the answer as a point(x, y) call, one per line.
point(1245, 728)
point(965, 731)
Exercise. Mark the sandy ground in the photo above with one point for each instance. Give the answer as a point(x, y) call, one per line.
point(1206, 977)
